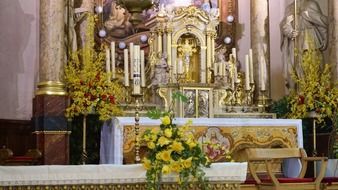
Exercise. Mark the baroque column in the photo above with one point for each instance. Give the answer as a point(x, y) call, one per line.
point(261, 47)
point(209, 50)
point(333, 38)
point(52, 136)
point(168, 38)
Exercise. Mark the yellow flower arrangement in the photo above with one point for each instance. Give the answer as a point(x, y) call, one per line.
point(173, 150)
point(314, 92)
point(89, 86)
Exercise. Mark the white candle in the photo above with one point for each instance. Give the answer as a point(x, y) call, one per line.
point(234, 54)
point(251, 66)
point(143, 80)
point(137, 85)
point(137, 69)
point(136, 59)
point(112, 55)
point(262, 73)
point(131, 55)
point(126, 70)
point(247, 73)
point(108, 62)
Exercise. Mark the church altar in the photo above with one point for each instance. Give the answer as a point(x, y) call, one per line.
point(118, 136)
point(110, 176)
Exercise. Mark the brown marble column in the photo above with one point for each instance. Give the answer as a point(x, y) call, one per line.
point(52, 136)
point(261, 48)
point(333, 38)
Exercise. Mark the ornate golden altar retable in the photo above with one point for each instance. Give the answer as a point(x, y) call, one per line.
point(182, 55)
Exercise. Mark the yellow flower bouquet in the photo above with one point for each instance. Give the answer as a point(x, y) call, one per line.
point(89, 86)
point(173, 149)
point(314, 91)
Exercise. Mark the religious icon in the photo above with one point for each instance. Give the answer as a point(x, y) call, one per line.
point(215, 144)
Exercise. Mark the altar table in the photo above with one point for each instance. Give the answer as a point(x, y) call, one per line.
point(106, 176)
point(117, 136)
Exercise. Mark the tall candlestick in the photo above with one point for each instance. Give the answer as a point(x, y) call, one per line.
point(262, 73)
point(108, 62)
point(112, 55)
point(131, 53)
point(251, 66)
point(143, 80)
point(247, 73)
point(126, 70)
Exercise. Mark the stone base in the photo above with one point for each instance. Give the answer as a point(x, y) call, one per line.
point(52, 135)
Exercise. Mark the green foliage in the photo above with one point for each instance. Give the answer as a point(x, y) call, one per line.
point(157, 113)
point(281, 107)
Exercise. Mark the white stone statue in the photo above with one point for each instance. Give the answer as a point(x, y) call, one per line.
point(160, 72)
point(311, 26)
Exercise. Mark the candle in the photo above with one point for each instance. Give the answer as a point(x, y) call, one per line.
point(126, 70)
point(108, 62)
point(143, 80)
point(262, 73)
point(112, 55)
point(251, 66)
point(136, 61)
point(247, 73)
point(137, 86)
point(234, 54)
point(131, 50)
point(137, 69)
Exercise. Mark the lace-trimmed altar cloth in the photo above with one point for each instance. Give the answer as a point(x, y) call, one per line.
point(105, 174)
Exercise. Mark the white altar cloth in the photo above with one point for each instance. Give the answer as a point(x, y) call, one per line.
point(111, 148)
point(105, 174)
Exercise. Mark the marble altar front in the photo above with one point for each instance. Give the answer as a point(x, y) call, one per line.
point(118, 136)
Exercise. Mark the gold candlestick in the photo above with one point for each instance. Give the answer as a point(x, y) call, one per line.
point(84, 140)
point(137, 127)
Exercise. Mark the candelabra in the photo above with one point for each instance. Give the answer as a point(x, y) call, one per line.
point(137, 127)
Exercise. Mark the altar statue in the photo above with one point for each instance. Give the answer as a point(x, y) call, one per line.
point(159, 74)
point(186, 50)
point(311, 28)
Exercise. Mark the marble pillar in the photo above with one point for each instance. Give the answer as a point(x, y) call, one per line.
point(209, 50)
point(333, 38)
point(159, 41)
point(260, 45)
point(49, 103)
point(169, 31)
point(87, 6)
point(205, 74)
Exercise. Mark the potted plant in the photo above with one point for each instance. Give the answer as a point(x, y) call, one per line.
point(89, 86)
point(315, 96)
